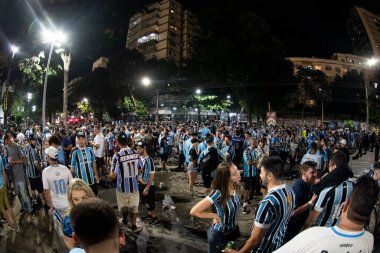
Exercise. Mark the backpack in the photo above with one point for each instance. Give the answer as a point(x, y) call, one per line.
point(210, 161)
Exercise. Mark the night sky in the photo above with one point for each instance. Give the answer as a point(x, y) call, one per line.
point(307, 28)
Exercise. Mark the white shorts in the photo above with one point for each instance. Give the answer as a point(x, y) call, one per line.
point(128, 201)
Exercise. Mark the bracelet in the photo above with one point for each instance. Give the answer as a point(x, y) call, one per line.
point(311, 203)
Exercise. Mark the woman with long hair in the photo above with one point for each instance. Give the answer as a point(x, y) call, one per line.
point(193, 164)
point(77, 192)
point(224, 200)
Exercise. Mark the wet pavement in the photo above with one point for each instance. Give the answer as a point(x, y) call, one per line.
point(176, 231)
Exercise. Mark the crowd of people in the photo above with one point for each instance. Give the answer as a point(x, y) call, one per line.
point(58, 169)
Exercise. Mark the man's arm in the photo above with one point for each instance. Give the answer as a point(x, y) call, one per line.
point(253, 241)
point(311, 219)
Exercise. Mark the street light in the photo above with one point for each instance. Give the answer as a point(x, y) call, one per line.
point(54, 38)
point(198, 91)
point(84, 100)
point(14, 49)
point(146, 81)
point(228, 96)
point(370, 63)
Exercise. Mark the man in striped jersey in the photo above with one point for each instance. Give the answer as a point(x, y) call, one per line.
point(83, 164)
point(146, 184)
point(125, 169)
point(33, 169)
point(331, 199)
point(273, 212)
point(228, 149)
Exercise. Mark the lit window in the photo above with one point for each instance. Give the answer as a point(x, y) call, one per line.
point(318, 67)
point(152, 36)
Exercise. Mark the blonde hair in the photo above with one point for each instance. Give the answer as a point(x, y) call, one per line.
point(78, 184)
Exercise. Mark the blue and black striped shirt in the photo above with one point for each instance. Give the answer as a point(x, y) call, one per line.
point(273, 213)
point(82, 160)
point(147, 165)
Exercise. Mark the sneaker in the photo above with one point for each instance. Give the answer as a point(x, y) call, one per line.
point(136, 229)
point(147, 217)
point(245, 208)
point(121, 221)
point(153, 221)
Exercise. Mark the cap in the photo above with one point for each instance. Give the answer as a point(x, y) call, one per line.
point(122, 136)
point(343, 141)
point(52, 152)
point(140, 144)
point(81, 134)
point(31, 137)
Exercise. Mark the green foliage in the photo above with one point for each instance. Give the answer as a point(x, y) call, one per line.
point(349, 123)
point(84, 107)
point(34, 68)
point(141, 109)
point(212, 102)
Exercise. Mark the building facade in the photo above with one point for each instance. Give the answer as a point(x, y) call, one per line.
point(338, 65)
point(364, 30)
point(162, 31)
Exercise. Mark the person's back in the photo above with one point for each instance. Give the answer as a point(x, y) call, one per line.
point(349, 235)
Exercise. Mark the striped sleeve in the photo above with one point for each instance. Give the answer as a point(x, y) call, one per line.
point(214, 196)
point(265, 214)
point(322, 200)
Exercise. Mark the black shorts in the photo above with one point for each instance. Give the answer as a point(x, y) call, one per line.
point(150, 199)
point(110, 153)
point(207, 180)
point(36, 184)
point(99, 161)
point(248, 183)
point(94, 189)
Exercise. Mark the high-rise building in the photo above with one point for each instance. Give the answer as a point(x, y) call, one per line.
point(188, 32)
point(161, 31)
point(364, 30)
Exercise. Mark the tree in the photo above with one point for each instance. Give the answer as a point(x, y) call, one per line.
point(84, 107)
point(312, 87)
point(141, 109)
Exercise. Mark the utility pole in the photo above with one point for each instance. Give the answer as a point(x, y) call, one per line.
point(66, 66)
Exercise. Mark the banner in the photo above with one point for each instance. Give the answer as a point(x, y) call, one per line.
point(271, 118)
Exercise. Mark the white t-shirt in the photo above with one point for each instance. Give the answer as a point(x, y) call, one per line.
point(56, 178)
point(99, 140)
point(329, 240)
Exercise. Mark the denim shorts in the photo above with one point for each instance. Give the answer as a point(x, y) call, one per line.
point(215, 240)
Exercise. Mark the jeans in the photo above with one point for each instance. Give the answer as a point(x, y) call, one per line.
point(25, 199)
point(215, 240)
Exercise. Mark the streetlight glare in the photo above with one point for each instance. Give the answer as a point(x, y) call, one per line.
point(228, 96)
point(146, 81)
point(50, 36)
point(85, 100)
point(29, 96)
point(14, 49)
point(372, 61)
point(198, 91)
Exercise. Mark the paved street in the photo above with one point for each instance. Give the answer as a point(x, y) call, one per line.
point(176, 232)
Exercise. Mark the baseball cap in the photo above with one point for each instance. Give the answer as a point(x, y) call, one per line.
point(52, 152)
point(122, 136)
point(140, 144)
point(81, 134)
point(31, 137)
point(343, 141)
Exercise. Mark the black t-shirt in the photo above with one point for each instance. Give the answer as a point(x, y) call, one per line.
point(193, 154)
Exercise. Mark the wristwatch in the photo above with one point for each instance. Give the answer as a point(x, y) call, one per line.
point(311, 204)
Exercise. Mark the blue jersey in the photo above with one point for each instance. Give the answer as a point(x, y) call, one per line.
point(147, 165)
point(218, 143)
point(204, 131)
point(273, 213)
point(330, 202)
point(82, 160)
point(170, 138)
point(230, 150)
point(32, 157)
point(229, 214)
point(202, 146)
point(187, 149)
point(238, 143)
point(250, 155)
point(125, 164)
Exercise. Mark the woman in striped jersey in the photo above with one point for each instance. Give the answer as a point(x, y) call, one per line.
point(225, 204)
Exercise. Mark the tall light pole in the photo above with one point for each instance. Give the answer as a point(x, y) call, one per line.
point(5, 92)
point(147, 82)
point(53, 38)
point(370, 63)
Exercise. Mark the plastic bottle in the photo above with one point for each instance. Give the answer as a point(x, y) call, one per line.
point(230, 245)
